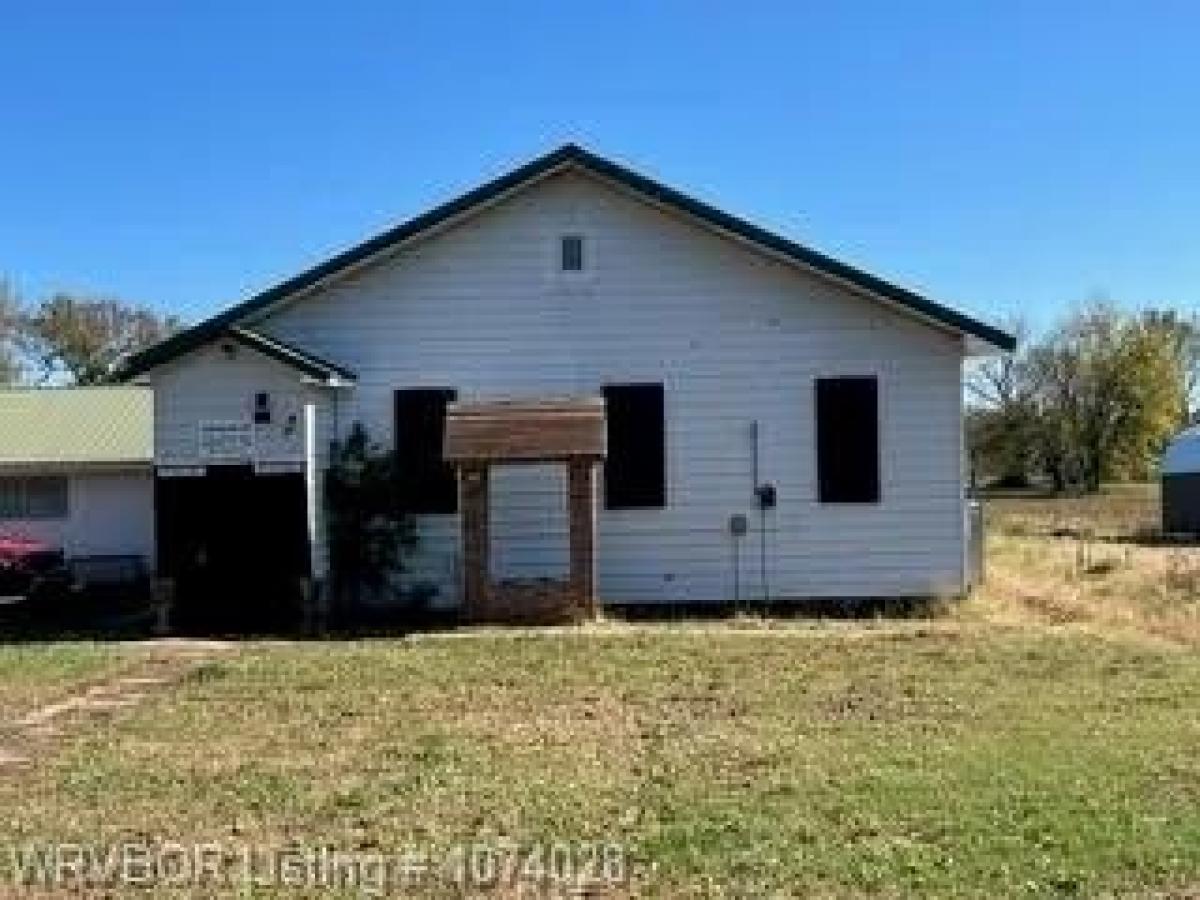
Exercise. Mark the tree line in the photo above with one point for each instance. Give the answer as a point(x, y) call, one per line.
point(67, 339)
point(1095, 398)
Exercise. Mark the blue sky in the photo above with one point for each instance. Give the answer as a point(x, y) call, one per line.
point(1007, 158)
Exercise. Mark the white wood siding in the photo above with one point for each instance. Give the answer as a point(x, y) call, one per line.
point(213, 385)
point(107, 513)
point(734, 336)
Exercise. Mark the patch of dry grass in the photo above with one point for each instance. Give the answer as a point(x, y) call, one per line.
point(1091, 562)
point(1125, 511)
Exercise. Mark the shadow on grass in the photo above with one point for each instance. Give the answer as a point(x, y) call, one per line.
point(17, 627)
point(850, 608)
point(1139, 537)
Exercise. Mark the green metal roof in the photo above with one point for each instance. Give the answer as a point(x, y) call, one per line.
point(63, 427)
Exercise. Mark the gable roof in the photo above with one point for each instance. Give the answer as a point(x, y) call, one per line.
point(76, 427)
point(568, 155)
point(322, 370)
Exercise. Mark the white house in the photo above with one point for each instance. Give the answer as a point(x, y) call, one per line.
point(76, 469)
point(737, 365)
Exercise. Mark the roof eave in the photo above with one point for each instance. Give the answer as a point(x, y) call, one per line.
point(806, 256)
point(74, 466)
point(1001, 342)
point(315, 367)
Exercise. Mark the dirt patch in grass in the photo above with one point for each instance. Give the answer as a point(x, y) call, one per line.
point(88, 682)
point(37, 673)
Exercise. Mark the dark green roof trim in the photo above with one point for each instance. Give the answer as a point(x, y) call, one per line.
point(571, 154)
point(808, 257)
point(309, 363)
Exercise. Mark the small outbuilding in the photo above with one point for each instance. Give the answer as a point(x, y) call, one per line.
point(76, 469)
point(1181, 483)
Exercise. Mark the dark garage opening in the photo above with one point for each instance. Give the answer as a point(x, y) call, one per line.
point(236, 545)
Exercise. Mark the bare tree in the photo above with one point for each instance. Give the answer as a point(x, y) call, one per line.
point(1001, 414)
point(10, 335)
point(84, 339)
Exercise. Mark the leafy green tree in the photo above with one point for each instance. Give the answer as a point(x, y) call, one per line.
point(1181, 334)
point(1095, 399)
point(1120, 392)
point(1155, 370)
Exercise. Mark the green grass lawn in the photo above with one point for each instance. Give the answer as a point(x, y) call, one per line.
point(936, 759)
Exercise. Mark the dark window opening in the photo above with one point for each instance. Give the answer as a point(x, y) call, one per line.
point(262, 408)
point(33, 497)
point(426, 483)
point(635, 470)
point(572, 253)
point(847, 440)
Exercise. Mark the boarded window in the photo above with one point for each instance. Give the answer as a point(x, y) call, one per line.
point(847, 440)
point(427, 483)
point(635, 470)
point(43, 497)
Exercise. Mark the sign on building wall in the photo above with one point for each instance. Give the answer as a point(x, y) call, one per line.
point(180, 471)
point(226, 440)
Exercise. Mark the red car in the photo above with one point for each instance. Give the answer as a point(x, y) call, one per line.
point(28, 565)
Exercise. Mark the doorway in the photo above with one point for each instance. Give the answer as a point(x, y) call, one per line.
point(236, 544)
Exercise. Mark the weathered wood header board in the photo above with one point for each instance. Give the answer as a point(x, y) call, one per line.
point(514, 431)
point(570, 432)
